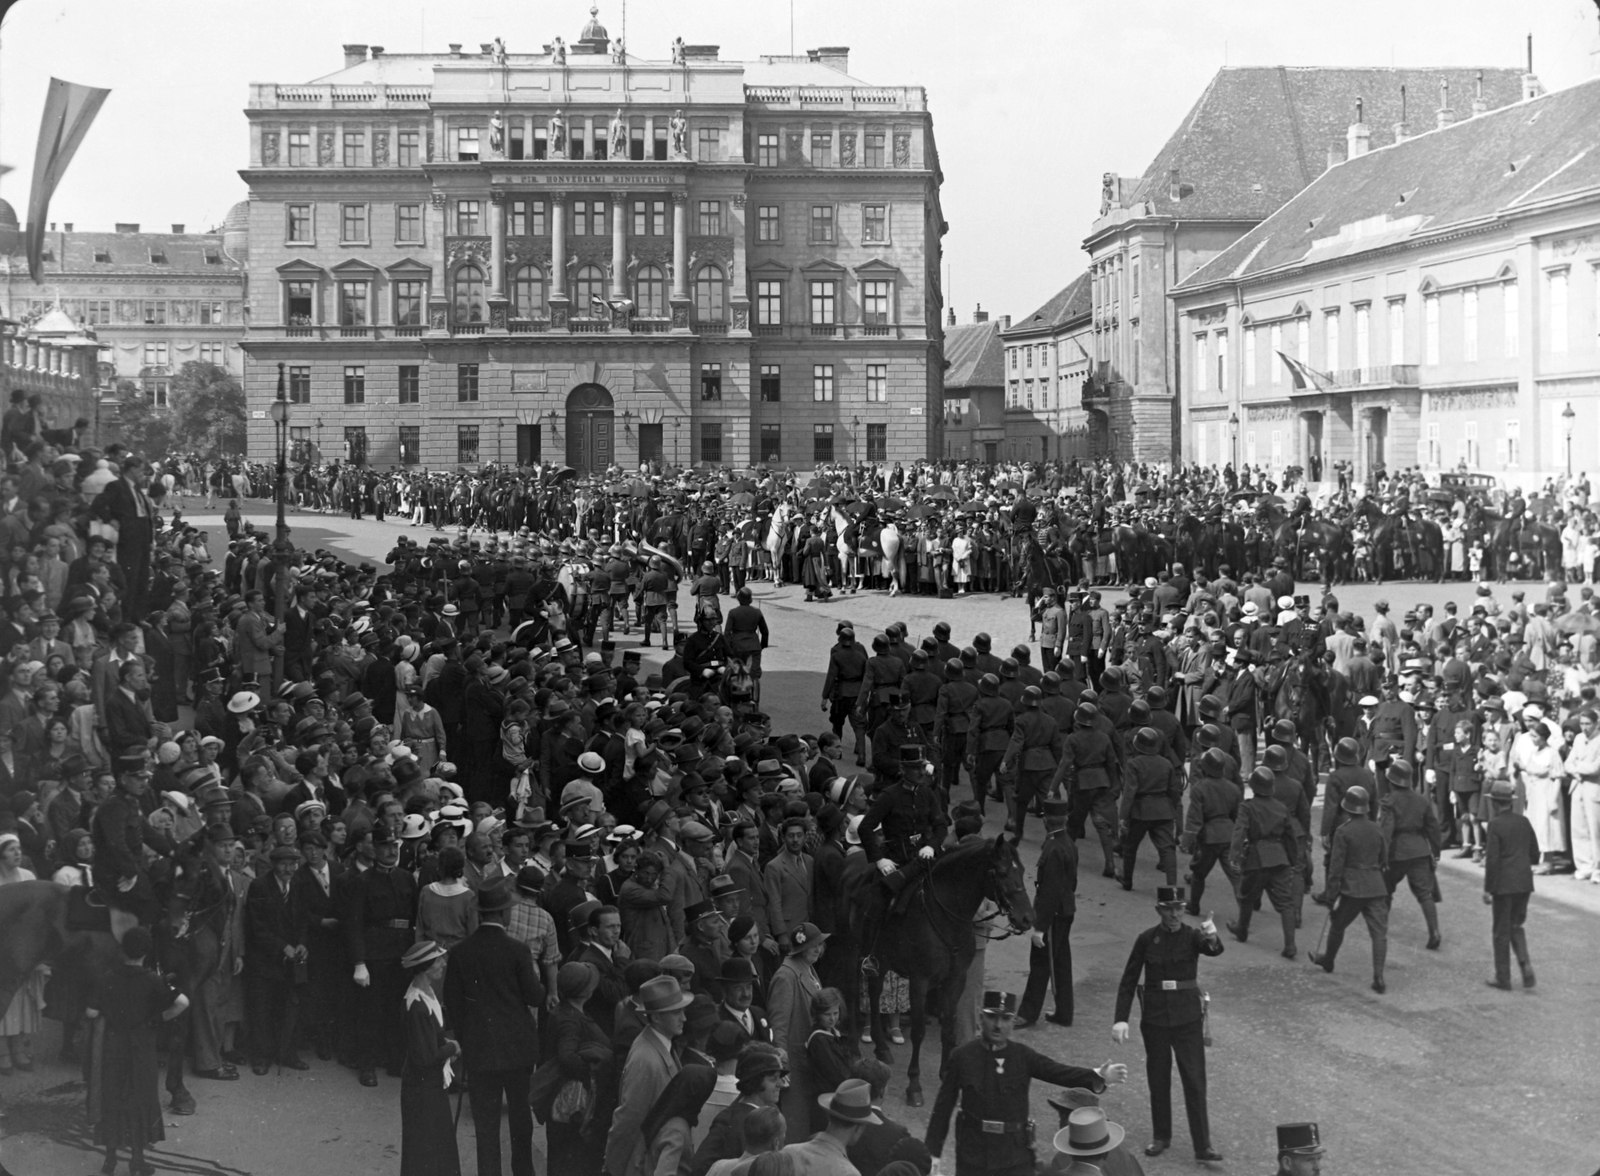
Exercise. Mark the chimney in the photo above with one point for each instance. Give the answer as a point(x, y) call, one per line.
point(1445, 115)
point(177, 230)
point(980, 315)
point(52, 226)
point(1401, 132)
point(1479, 106)
point(1005, 322)
point(952, 316)
point(66, 226)
point(354, 55)
point(1334, 158)
point(833, 56)
point(127, 227)
point(486, 47)
point(1358, 139)
point(455, 48)
point(701, 52)
point(1531, 86)
point(1174, 189)
point(377, 52)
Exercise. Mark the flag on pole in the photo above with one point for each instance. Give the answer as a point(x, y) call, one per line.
point(1305, 377)
point(69, 109)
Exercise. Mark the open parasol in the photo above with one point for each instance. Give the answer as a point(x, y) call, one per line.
point(973, 507)
point(923, 510)
point(946, 493)
point(1577, 622)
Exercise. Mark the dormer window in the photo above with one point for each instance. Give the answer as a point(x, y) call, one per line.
point(158, 257)
point(213, 257)
point(47, 255)
point(103, 255)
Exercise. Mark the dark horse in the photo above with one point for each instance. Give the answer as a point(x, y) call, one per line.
point(1324, 542)
point(932, 942)
point(1297, 690)
point(1416, 544)
point(1537, 546)
point(1041, 571)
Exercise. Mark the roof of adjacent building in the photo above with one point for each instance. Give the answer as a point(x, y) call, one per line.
point(1259, 134)
point(1069, 304)
point(131, 253)
point(1497, 165)
point(976, 357)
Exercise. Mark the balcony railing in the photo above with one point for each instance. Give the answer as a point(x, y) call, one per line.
point(412, 331)
point(652, 326)
point(467, 328)
point(529, 326)
point(710, 327)
point(824, 330)
point(300, 332)
point(875, 330)
point(1402, 374)
point(589, 326)
point(769, 330)
point(348, 332)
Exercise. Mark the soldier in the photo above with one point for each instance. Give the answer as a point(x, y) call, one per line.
point(1055, 905)
point(841, 689)
point(1172, 1018)
point(1266, 840)
point(1211, 737)
point(951, 720)
point(1208, 833)
point(1347, 773)
point(1032, 753)
point(1511, 852)
point(922, 686)
point(1151, 795)
point(990, 1076)
point(1090, 772)
point(1011, 684)
point(985, 661)
point(1026, 670)
point(1355, 883)
point(1411, 828)
point(1056, 705)
point(883, 675)
point(943, 650)
point(1299, 1150)
point(901, 832)
point(382, 902)
point(1289, 793)
point(1163, 720)
point(988, 736)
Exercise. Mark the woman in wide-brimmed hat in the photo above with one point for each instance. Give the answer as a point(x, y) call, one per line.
point(427, 1133)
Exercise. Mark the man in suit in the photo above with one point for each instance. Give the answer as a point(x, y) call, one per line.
point(1510, 853)
point(319, 885)
point(275, 949)
point(650, 1066)
point(298, 628)
point(738, 982)
point(744, 867)
point(788, 881)
point(257, 639)
point(605, 935)
point(128, 726)
point(124, 503)
point(1055, 906)
point(490, 992)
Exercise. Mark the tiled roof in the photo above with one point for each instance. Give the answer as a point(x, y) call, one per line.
point(976, 357)
point(1259, 134)
point(1069, 304)
point(130, 253)
point(1495, 165)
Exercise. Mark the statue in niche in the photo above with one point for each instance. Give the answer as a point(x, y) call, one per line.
point(497, 133)
point(678, 56)
point(498, 53)
point(380, 150)
point(558, 135)
point(558, 52)
point(678, 127)
point(269, 150)
point(1108, 186)
point(619, 136)
point(325, 149)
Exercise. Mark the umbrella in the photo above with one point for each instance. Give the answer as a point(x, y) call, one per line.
point(858, 508)
point(923, 510)
point(814, 492)
point(638, 489)
point(1578, 622)
point(1242, 495)
point(562, 473)
point(891, 504)
point(973, 507)
point(945, 492)
point(742, 484)
point(1035, 491)
point(1005, 484)
point(743, 498)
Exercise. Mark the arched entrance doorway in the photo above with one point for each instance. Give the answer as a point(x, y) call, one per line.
point(590, 447)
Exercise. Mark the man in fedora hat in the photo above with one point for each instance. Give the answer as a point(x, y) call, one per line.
point(1172, 1020)
point(825, 1153)
point(1410, 826)
point(990, 1076)
point(1511, 851)
point(1085, 1144)
point(489, 989)
point(706, 945)
point(1356, 864)
point(651, 1063)
point(1300, 1149)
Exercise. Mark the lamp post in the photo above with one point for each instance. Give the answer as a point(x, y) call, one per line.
point(855, 431)
point(280, 418)
point(1233, 426)
point(499, 440)
point(1568, 419)
point(677, 423)
point(281, 548)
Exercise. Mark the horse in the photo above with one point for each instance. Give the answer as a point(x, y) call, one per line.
point(1537, 546)
point(1298, 690)
point(777, 538)
point(931, 943)
point(1041, 571)
point(1405, 541)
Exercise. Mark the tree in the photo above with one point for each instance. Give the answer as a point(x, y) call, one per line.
point(146, 431)
point(208, 411)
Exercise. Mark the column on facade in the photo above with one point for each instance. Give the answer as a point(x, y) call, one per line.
point(680, 245)
point(499, 313)
point(438, 295)
point(619, 245)
point(739, 293)
point(558, 244)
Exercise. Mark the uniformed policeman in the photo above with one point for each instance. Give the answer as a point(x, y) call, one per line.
point(1300, 1150)
point(1355, 885)
point(952, 717)
point(118, 835)
point(1055, 905)
point(900, 832)
point(382, 903)
point(1392, 730)
point(1090, 773)
point(894, 732)
point(1213, 808)
point(1152, 792)
point(1266, 845)
point(988, 736)
point(990, 1076)
point(1411, 828)
point(1032, 753)
point(1172, 1020)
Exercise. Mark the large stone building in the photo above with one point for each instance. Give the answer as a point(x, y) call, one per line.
point(583, 255)
point(1047, 367)
point(1256, 137)
point(1432, 303)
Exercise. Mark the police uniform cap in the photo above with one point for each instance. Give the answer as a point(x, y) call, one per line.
point(1301, 1138)
point(1057, 808)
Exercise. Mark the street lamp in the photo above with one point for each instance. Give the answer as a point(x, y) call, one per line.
point(1233, 425)
point(281, 548)
point(855, 431)
point(280, 418)
point(1568, 419)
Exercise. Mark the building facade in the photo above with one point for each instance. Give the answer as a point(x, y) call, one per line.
point(1047, 367)
point(975, 389)
point(582, 255)
point(1256, 137)
point(1434, 303)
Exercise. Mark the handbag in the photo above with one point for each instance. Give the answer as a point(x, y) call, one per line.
point(573, 1102)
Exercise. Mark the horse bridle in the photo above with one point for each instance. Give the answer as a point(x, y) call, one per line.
point(992, 874)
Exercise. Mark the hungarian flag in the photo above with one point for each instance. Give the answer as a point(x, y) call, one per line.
point(68, 110)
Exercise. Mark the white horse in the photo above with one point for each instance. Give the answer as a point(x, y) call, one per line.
point(893, 570)
point(777, 538)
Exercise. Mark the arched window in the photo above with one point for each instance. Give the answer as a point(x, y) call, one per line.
point(650, 292)
point(469, 294)
point(708, 294)
point(527, 293)
point(591, 286)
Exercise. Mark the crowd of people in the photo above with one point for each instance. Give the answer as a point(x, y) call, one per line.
point(438, 822)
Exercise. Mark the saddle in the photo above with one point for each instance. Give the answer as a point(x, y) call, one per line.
point(87, 910)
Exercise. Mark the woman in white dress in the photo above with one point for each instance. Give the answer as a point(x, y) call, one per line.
point(961, 561)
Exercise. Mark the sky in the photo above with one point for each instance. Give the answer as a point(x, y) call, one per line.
point(1032, 100)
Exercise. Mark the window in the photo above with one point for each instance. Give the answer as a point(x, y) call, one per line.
point(97, 312)
point(1558, 314)
point(711, 218)
point(299, 148)
point(158, 392)
point(875, 223)
point(516, 143)
point(589, 289)
point(710, 441)
point(1275, 360)
point(649, 218)
point(353, 223)
point(1138, 351)
point(517, 219)
point(1014, 359)
point(466, 444)
point(875, 304)
point(155, 314)
point(469, 295)
point(766, 150)
point(527, 292)
point(158, 256)
point(410, 384)
point(300, 384)
point(650, 292)
point(355, 385)
point(1133, 273)
point(821, 442)
point(467, 144)
point(1330, 340)
point(822, 224)
point(155, 355)
point(300, 226)
point(1430, 329)
point(771, 443)
point(1302, 339)
point(872, 152)
point(1363, 337)
point(1397, 331)
point(821, 149)
point(659, 147)
point(352, 304)
point(299, 302)
point(528, 218)
point(1014, 394)
point(767, 223)
point(1202, 359)
point(408, 224)
point(711, 381)
point(1513, 440)
point(824, 303)
point(469, 216)
point(466, 382)
point(410, 444)
point(1435, 447)
point(822, 382)
point(410, 301)
point(636, 143)
point(708, 294)
point(771, 383)
point(878, 381)
point(877, 442)
point(580, 218)
point(406, 145)
point(769, 304)
point(599, 143)
point(354, 144)
point(1277, 448)
point(355, 443)
point(1513, 319)
point(1469, 444)
point(1469, 325)
point(1249, 358)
